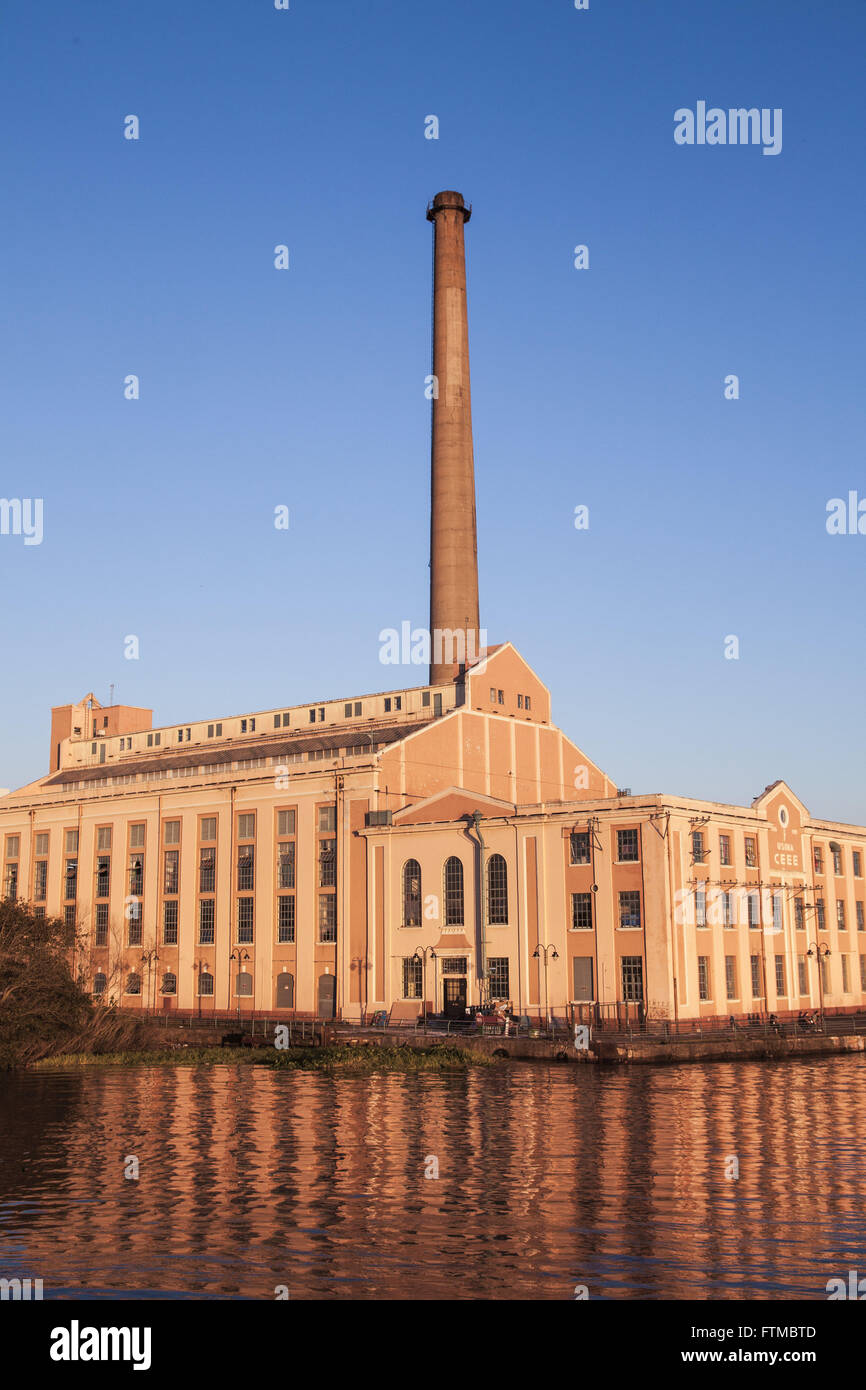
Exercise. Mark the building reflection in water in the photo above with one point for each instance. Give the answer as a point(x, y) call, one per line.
point(548, 1178)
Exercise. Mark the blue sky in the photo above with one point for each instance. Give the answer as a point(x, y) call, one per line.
point(305, 387)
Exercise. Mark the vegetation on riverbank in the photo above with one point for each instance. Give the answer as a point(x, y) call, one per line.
point(336, 1057)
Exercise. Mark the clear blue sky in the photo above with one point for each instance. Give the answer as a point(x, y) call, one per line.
point(306, 387)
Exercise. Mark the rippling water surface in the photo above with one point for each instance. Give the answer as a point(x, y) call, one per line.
point(549, 1178)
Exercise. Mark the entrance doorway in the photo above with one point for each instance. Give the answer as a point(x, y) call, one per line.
point(454, 997)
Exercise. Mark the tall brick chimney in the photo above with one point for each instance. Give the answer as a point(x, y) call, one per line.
point(453, 545)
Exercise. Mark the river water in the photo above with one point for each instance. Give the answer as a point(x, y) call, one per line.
point(550, 1179)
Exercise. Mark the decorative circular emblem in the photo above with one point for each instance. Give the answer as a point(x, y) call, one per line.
point(783, 816)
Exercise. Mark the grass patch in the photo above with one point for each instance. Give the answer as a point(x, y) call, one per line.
point(337, 1057)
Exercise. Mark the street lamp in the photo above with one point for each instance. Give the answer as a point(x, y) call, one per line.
point(199, 965)
point(421, 953)
point(239, 955)
point(148, 958)
point(552, 952)
point(820, 950)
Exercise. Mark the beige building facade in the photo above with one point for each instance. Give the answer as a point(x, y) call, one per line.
point(444, 845)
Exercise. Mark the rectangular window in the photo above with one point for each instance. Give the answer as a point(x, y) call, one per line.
point(493, 695)
point(136, 836)
point(454, 965)
point(626, 846)
point(857, 863)
point(703, 977)
point(245, 920)
point(751, 848)
point(629, 909)
point(169, 923)
point(70, 880)
point(286, 864)
point(755, 963)
point(413, 978)
point(799, 915)
point(581, 912)
point(632, 979)
point(246, 827)
point(286, 918)
point(582, 970)
point(171, 832)
point(858, 908)
point(100, 936)
point(425, 698)
point(327, 863)
point(285, 823)
point(246, 868)
point(698, 846)
point(731, 977)
point(863, 972)
point(136, 874)
point(41, 847)
point(527, 702)
point(700, 907)
point(327, 917)
point(207, 870)
point(500, 697)
point(846, 983)
point(327, 819)
point(387, 706)
point(725, 854)
point(69, 915)
point(208, 828)
point(821, 916)
point(777, 912)
point(580, 853)
point(728, 913)
point(840, 914)
point(754, 909)
point(497, 972)
point(206, 922)
point(72, 842)
point(520, 702)
point(818, 859)
point(837, 861)
point(780, 977)
point(170, 870)
point(40, 880)
point(802, 978)
point(103, 875)
point(103, 837)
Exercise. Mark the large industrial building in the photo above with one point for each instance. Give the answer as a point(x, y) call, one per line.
point(443, 843)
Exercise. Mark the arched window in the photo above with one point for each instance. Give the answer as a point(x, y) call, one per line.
point(244, 984)
point(285, 990)
point(326, 996)
point(169, 983)
point(497, 891)
point(453, 892)
point(205, 983)
point(133, 984)
point(100, 983)
point(411, 893)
